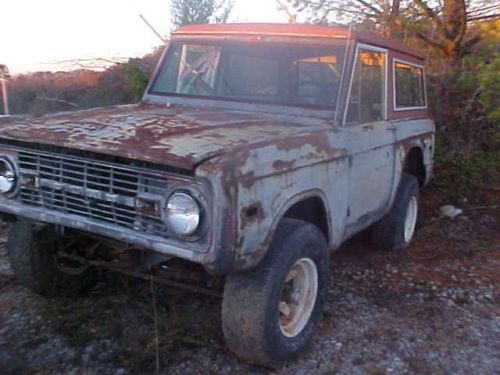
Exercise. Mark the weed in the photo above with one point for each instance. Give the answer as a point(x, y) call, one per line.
point(467, 176)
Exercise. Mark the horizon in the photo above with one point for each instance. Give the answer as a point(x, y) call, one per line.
point(58, 36)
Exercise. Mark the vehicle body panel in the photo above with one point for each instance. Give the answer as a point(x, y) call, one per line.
point(175, 135)
point(270, 186)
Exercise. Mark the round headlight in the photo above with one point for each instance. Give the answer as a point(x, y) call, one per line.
point(7, 176)
point(182, 214)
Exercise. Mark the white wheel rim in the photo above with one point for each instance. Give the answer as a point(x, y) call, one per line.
point(411, 219)
point(298, 297)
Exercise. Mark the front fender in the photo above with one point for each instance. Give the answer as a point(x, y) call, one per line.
point(258, 230)
point(257, 185)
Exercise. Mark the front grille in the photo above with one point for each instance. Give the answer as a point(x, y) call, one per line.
point(104, 192)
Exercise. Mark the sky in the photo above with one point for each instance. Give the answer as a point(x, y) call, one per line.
point(40, 34)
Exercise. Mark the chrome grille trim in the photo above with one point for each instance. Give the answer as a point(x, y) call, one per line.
point(92, 189)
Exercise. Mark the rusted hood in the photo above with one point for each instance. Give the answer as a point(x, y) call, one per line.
point(177, 136)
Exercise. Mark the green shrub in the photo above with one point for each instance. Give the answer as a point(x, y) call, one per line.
point(467, 176)
point(489, 83)
point(136, 80)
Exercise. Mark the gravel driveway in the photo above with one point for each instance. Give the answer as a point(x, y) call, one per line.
point(432, 310)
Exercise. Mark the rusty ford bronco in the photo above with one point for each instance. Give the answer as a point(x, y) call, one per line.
point(257, 149)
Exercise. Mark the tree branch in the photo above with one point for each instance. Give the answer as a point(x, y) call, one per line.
point(483, 18)
point(462, 23)
point(432, 15)
point(369, 6)
point(427, 40)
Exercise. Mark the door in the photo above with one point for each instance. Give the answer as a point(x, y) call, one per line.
point(369, 137)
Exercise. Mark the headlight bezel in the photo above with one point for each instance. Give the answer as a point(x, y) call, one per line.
point(10, 165)
point(199, 199)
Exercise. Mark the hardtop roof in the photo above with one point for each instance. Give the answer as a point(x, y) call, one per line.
point(278, 31)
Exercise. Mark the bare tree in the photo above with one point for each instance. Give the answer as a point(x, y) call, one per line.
point(92, 63)
point(382, 14)
point(444, 25)
point(282, 7)
point(441, 24)
point(185, 12)
point(482, 10)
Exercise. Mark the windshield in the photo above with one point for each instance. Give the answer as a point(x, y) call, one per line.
point(297, 76)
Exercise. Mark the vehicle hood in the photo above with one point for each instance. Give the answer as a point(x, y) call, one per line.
point(177, 136)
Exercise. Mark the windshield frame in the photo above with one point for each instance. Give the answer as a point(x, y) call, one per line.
point(223, 102)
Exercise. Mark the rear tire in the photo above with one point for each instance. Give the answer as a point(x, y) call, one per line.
point(270, 313)
point(32, 253)
point(395, 231)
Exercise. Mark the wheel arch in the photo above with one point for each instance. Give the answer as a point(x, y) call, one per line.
point(310, 206)
point(414, 165)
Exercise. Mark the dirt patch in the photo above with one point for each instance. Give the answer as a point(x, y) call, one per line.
point(433, 309)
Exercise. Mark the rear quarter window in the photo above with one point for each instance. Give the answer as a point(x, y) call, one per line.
point(409, 86)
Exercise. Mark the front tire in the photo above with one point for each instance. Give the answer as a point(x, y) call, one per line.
point(32, 253)
point(270, 313)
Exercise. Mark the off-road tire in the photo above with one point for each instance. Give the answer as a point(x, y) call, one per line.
point(250, 308)
point(31, 250)
point(388, 233)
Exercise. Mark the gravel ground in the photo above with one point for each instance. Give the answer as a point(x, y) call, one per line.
point(432, 310)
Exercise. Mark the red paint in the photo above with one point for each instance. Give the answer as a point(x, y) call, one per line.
point(292, 31)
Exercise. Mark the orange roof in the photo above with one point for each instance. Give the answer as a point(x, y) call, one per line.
point(283, 30)
point(264, 29)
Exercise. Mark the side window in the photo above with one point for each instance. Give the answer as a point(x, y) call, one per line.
point(367, 96)
point(409, 86)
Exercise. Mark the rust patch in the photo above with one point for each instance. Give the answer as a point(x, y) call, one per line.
point(281, 165)
point(176, 135)
point(317, 140)
point(253, 212)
